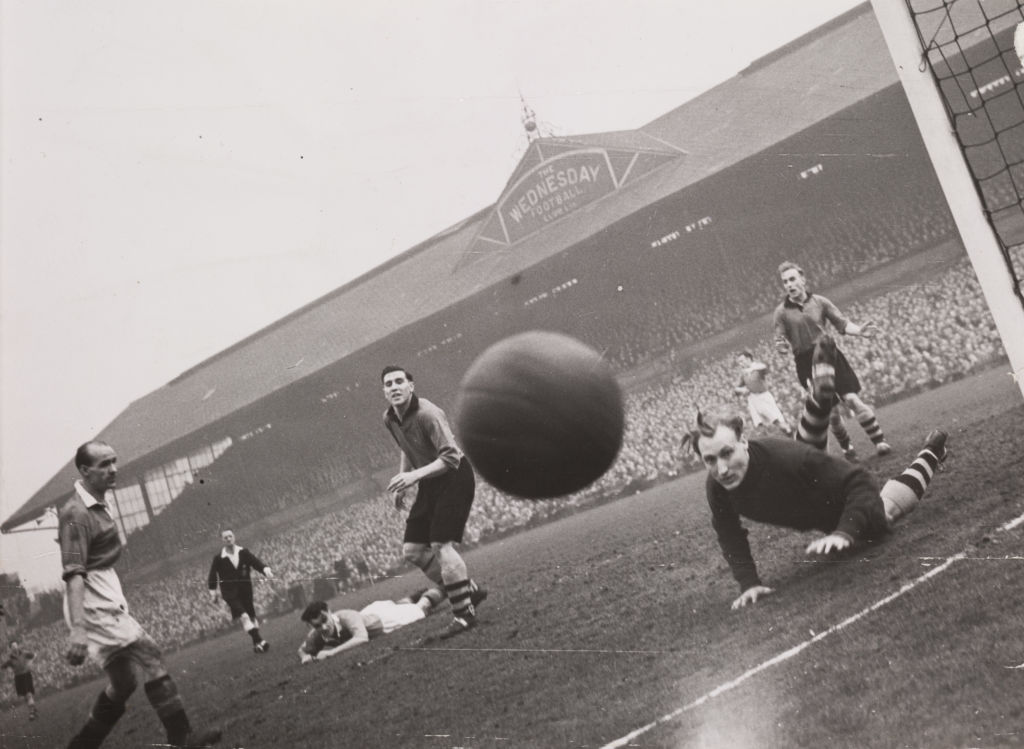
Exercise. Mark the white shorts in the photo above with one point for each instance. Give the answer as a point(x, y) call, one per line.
point(394, 615)
point(764, 409)
point(108, 625)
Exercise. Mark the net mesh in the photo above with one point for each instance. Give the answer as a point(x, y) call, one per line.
point(969, 47)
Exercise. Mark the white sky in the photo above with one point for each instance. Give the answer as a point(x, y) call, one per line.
point(177, 175)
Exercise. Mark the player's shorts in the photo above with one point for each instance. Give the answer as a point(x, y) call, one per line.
point(764, 409)
point(141, 656)
point(241, 604)
point(23, 684)
point(394, 615)
point(442, 507)
point(846, 378)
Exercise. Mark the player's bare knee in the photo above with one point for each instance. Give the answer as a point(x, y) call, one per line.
point(417, 554)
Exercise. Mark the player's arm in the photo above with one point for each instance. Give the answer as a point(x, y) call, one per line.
point(211, 580)
point(732, 540)
point(257, 564)
point(843, 324)
point(862, 510)
point(782, 344)
point(73, 537)
point(447, 459)
point(351, 622)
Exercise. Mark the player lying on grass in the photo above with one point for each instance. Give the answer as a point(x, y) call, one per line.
point(796, 484)
point(333, 632)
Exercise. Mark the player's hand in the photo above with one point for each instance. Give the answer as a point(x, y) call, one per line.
point(750, 595)
point(870, 329)
point(828, 544)
point(306, 658)
point(78, 647)
point(213, 596)
point(782, 347)
point(268, 573)
point(322, 655)
point(402, 481)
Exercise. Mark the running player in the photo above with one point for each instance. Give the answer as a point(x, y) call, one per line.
point(97, 613)
point(800, 320)
point(232, 567)
point(760, 401)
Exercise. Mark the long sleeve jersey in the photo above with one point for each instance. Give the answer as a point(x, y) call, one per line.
point(793, 485)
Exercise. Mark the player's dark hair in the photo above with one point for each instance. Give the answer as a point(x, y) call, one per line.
point(313, 610)
point(83, 455)
point(706, 426)
point(746, 353)
point(790, 265)
point(395, 368)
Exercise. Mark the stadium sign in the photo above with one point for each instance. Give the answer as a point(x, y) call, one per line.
point(554, 179)
point(554, 188)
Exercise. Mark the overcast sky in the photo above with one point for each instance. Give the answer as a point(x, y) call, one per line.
point(176, 175)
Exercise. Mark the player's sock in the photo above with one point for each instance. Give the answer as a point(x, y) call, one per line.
point(102, 718)
point(254, 633)
point(163, 695)
point(870, 425)
point(900, 495)
point(813, 426)
point(838, 426)
point(459, 597)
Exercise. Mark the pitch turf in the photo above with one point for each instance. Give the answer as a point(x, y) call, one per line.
point(601, 623)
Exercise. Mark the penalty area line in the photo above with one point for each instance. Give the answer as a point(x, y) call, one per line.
point(785, 655)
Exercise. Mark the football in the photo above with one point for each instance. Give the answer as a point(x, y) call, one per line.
point(540, 415)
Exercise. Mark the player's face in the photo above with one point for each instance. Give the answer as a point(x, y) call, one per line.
point(725, 456)
point(397, 388)
point(795, 284)
point(323, 623)
point(102, 474)
point(229, 538)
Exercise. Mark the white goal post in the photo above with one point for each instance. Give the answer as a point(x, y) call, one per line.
point(980, 241)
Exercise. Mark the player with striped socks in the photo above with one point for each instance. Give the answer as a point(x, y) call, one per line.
point(797, 484)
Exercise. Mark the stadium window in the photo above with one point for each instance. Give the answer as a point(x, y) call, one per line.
point(131, 509)
point(220, 447)
point(178, 475)
point(201, 458)
point(157, 488)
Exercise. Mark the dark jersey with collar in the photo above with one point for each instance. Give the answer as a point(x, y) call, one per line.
point(234, 581)
point(423, 434)
point(88, 537)
point(802, 324)
point(793, 485)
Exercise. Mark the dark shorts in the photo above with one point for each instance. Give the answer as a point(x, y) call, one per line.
point(846, 378)
point(23, 684)
point(241, 604)
point(442, 507)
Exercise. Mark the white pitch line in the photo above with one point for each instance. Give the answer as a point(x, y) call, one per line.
point(785, 655)
point(545, 650)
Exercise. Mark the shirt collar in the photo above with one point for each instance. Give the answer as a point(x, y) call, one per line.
point(414, 404)
point(224, 551)
point(787, 302)
point(86, 497)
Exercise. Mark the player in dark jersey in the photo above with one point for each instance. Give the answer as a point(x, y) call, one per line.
point(232, 567)
point(97, 612)
point(800, 320)
point(18, 660)
point(796, 484)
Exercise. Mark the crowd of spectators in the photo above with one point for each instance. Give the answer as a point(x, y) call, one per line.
point(932, 331)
